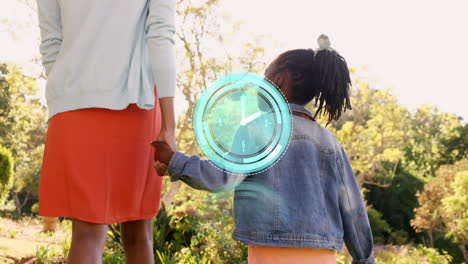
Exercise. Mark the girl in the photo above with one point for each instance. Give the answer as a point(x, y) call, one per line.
point(102, 60)
point(313, 202)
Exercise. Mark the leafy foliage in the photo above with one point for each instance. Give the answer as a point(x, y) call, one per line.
point(443, 204)
point(206, 57)
point(22, 117)
point(455, 207)
point(408, 255)
point(372, 132)
point(6, 172)
point(431, 142)
point(455, 148)
point(396, 202)
point(113, 256)
point(187, 235)
point(380, 227)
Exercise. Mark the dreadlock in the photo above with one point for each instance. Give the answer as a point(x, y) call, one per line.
point(322, 76)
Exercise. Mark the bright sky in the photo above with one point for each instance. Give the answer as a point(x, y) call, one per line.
point(418, 48)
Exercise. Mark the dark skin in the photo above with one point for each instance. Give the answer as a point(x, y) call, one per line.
point(283, 81)
point(137, 238)
point(89, 239)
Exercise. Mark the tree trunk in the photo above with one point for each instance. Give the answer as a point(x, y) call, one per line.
point(17, 204)
point(424, 242)
point(463, 247)
point(431, 238)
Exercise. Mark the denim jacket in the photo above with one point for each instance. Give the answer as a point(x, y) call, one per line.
point(308, 199)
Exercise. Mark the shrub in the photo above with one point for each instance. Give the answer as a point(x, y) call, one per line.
point(6, 172)
point(48, 255)
point(411, 255)
point(380, 228)
point(12, 233)
point(398, 237)
point(35, 208)
point(397, 201)
point(188, 235)
point(431, 255)
point(113, 256)
point(164, 258)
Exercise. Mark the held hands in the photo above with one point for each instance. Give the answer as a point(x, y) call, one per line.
point(165, 147)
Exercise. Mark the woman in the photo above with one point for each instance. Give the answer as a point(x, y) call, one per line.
point(103, 59)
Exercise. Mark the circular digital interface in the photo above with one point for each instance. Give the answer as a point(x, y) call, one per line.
point(242, 123)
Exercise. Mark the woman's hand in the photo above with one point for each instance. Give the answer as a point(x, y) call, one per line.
point(165, 144)
point(168, 137)
point(163, 153)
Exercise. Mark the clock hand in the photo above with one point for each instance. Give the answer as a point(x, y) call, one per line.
point(250, 118)
point(242, 101)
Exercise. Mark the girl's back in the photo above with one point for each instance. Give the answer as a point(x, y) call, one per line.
point(301, 200)
point(310, 198)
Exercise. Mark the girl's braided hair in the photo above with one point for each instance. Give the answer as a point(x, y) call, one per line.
point(322, 75)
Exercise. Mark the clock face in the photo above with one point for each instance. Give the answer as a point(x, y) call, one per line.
point(242, 123)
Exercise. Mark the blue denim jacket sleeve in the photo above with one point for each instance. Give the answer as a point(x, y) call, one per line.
point(201, 174)
point(356, 227)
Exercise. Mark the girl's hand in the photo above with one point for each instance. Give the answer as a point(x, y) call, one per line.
point(161, 168)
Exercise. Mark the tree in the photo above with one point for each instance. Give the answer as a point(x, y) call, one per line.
point(22, 117)
point(393, 152)
point(455, 148)
point(380, 227)
point(428, 215)
point(455, 207)
point(372, 133)
point(396, 201)
point(439, 204)
point(434, 141)
point(204, 59)
point(6, 172)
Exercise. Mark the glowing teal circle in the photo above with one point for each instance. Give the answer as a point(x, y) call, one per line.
point(242, 123)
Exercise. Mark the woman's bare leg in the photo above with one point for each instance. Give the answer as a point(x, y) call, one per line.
point(88, 240)
point(137, 238)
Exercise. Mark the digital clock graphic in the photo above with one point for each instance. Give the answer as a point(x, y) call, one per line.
point(242, 123)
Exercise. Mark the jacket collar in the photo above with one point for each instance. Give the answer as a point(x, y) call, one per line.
point(300, 109)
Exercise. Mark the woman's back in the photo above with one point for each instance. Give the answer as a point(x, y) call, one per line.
point(98, 53)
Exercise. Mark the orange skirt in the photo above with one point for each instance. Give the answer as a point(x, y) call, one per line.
point(284, 255)
point(97, 165)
